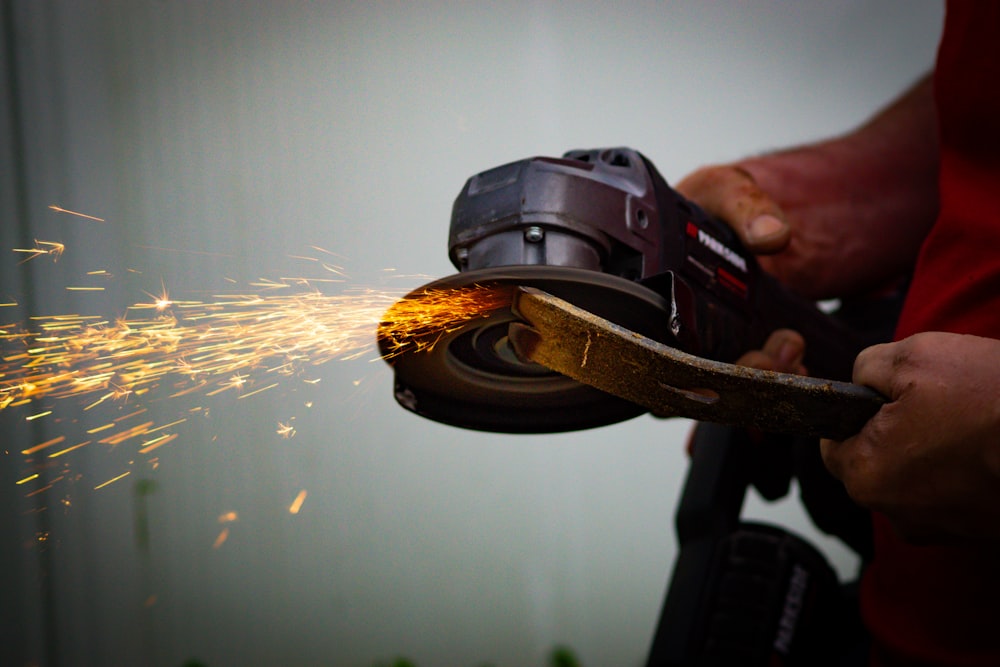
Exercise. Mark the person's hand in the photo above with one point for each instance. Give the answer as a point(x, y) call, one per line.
point(782, 353)
point(818, 234)
point(730, 193)
point(930, 459)
point(796, 254)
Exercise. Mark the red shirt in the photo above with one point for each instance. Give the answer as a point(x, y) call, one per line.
point(941, 605)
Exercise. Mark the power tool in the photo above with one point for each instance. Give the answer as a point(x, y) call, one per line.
point(602, 231)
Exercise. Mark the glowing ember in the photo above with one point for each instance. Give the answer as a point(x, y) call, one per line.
point(286, 431)
point(297, 503)
point(221, 539)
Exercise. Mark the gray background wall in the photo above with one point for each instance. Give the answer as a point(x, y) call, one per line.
point(244, 132)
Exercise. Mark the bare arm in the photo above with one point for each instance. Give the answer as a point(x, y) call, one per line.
point(841, 216)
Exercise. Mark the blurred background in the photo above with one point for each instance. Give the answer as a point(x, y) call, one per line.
point(220, 143)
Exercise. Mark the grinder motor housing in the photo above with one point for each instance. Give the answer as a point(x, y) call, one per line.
point(610, 210)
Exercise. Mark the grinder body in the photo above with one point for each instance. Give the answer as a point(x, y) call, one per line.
point(610, 210)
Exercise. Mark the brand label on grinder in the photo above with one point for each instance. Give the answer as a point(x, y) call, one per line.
point(717, 263)
point(717, 246)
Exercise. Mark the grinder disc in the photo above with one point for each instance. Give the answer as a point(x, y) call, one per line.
point(469, 376)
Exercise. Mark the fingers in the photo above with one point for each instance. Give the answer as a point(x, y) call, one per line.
point(850, 460)
point(835, 455)
point(862, 468)
point(782, 352)
point(886, 367)
point(731, 194)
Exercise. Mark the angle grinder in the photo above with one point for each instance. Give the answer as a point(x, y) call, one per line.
point(602, 230)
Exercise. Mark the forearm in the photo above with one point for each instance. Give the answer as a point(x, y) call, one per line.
point(858, 205)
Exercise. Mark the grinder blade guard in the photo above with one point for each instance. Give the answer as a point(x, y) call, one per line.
point(601, 229)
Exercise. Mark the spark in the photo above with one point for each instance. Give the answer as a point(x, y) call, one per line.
point(155, 443)
point(325, 251)
point(228, 517)
point(69, 449)
point(119, 393)
point(297, 503)
point(48, 443)
point(286, 431)
point(160, 302)
point(127, 434)
point(27, 479)
point(42, 489)
point(112, 480)
point(51, 248)
point(221, 539)
point(59, 209)
point(259, 391)
point(338, 270)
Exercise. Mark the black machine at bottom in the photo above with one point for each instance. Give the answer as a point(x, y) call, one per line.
point(753, 595)
point(746, 594)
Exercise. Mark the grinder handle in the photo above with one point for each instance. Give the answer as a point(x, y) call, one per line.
point(724, 303)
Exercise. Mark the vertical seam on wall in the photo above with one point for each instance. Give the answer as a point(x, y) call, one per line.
point(19, 189)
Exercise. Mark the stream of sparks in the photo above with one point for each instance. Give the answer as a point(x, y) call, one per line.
point(244, 344)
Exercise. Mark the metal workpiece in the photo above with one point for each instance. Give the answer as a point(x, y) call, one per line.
point(668, 382)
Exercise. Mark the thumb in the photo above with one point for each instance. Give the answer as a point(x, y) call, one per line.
point(731, 194)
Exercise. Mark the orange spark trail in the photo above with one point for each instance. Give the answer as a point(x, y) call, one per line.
point(241, 345)
point(59, 209)
point(418, 322)
point(220, 345)
point(112, 480)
